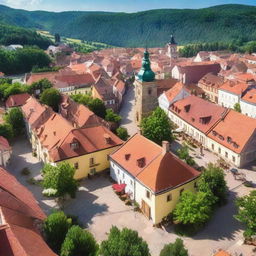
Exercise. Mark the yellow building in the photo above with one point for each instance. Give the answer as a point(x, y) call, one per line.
point(154, 178)
point(55, 139)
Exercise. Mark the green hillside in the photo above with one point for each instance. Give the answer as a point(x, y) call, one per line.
point(220, 23)
point(16, 35)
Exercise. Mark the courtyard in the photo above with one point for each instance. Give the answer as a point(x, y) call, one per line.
point(99, 208)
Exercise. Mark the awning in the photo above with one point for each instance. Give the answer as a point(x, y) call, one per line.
point(119, 187)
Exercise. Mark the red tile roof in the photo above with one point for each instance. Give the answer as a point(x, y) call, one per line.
point(237, 138)
point(36, 113)
point(156, 170)
point(250, 96)
point(20, 217)
point(211, 80)
point(78, 114)
point(198, 112)
point(35, 77)
point(174, 91)
point(17, 100)
point(90, 139)
point(234, 87)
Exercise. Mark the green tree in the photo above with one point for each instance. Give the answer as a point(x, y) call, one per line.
point(3, 87)
point(56, 226)
point(6, 131)
point(112, 117)
point(213, 179)
point(194, 208)
point(15, 118)
point(174, 249)
point(97, 107)
point(51, 97)
point(60, 178)
point(157, 127)
point(237, 107)
point(122, 133)
point(37, 88)
point(13, 89)
point(247, 213)
point(183, 154)
point(79, 242)
point(124, 242)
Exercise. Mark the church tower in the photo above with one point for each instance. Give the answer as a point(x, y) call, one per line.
point(172, 51)
point(145, 90)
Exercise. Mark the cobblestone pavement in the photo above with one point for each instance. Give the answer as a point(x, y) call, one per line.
point(128, 112)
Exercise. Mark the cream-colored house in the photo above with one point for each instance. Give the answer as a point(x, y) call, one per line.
point(154, 178)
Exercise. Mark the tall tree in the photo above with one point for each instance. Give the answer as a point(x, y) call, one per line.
point(15, 118)
point(247, 213)
point(124, 242)
point(60, 178)
point(51, 97)
point(213, 179)
point(157, 127)
point(79, 242)
point(56, 226)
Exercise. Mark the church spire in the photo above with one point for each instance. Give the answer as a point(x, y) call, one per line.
point(172, 40)
point(146, 74)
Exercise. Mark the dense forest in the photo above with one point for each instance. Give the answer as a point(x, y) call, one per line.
point(17, 35)
point(22, 60)
point(223, 23)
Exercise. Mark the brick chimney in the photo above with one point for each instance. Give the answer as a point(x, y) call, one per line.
point(165, 147)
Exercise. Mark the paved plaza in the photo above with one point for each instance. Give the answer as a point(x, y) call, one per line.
point(98, 208)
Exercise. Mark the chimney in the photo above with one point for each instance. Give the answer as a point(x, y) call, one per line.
point(165, 147)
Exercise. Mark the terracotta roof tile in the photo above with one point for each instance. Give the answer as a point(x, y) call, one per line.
point(198, 112)
point(234, 87)
point(237, 138)
point(250, 96)
point(174, 91)
point(17, 100)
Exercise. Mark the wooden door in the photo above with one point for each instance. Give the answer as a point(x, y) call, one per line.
point(145, 208)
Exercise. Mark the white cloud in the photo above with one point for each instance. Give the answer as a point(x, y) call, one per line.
point(24, 4)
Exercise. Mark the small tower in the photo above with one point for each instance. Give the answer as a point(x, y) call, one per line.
point(145, 90)
point(172, 48)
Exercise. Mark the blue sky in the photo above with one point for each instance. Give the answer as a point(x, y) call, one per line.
point(116, 5)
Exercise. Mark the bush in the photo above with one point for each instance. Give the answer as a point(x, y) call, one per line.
point(112, 117)
point(122, 133)
point(79, 242)
point(6, 131)
point(55, 229)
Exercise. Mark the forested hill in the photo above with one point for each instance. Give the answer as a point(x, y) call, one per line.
point(17, 35)
point(220, 23)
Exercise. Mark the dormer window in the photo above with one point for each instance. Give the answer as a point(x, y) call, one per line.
point(74, 145)
point(221, 137)
point(187, 108)
point(141, 162)
point(107, 138)
point(214, 133)
point(127, 156)
point(229, 139)
point(235, 145)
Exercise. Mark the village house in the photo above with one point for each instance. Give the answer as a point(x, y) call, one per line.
point(234, 138)
point(192, 72)
point(177, 92)
point(5, 151)
point(154, 178)
point(55, 139)
point(104, 90)
point(202, 56)
point(231, 92)
point(17, 100)
point(196, 116)
point(248, 103)
point(21, 220)
point(210, 84)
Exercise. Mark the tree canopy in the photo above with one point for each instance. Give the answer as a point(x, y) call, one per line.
point(174, 249)
point(122, 133)
point(51, 97)
point(111, 116)
point(55, 227)
point(14, 117)
point(22, 60)
point(79, 242)
point(60, 178)
point(125, 242)
point(157, 127)
point(247, 213)
point(37, 88)
point(213, 179)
